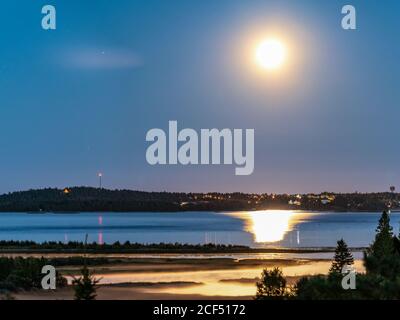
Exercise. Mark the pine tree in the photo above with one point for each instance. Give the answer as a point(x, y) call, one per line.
point(382, 258)
point(85, 286)
point(342, 257)
point(272, 285)
point(383, 245)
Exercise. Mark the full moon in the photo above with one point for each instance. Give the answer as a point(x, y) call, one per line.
point(270, 54)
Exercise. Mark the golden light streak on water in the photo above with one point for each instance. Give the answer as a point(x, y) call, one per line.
point(270, 226)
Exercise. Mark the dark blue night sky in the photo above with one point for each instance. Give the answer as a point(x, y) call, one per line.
point(79, 99)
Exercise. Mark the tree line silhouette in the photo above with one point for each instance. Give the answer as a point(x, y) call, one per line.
point(87, 199)
point(125, 247)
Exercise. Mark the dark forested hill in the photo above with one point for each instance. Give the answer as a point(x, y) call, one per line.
point(78, 199)
point(90, 199)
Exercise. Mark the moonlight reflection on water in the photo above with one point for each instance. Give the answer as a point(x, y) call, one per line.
point(272, 225)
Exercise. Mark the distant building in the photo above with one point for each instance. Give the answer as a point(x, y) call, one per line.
point(294, 202)
point(327, 198)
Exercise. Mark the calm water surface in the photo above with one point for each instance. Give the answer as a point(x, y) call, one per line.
point(293, 229)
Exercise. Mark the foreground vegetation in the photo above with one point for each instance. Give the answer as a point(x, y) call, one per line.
point(380, 282)
point(24, 273)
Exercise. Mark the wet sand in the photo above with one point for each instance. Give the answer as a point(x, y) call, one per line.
point(169, 278)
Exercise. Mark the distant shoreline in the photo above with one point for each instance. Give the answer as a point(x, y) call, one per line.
point(21, 247)
point(88, 199)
